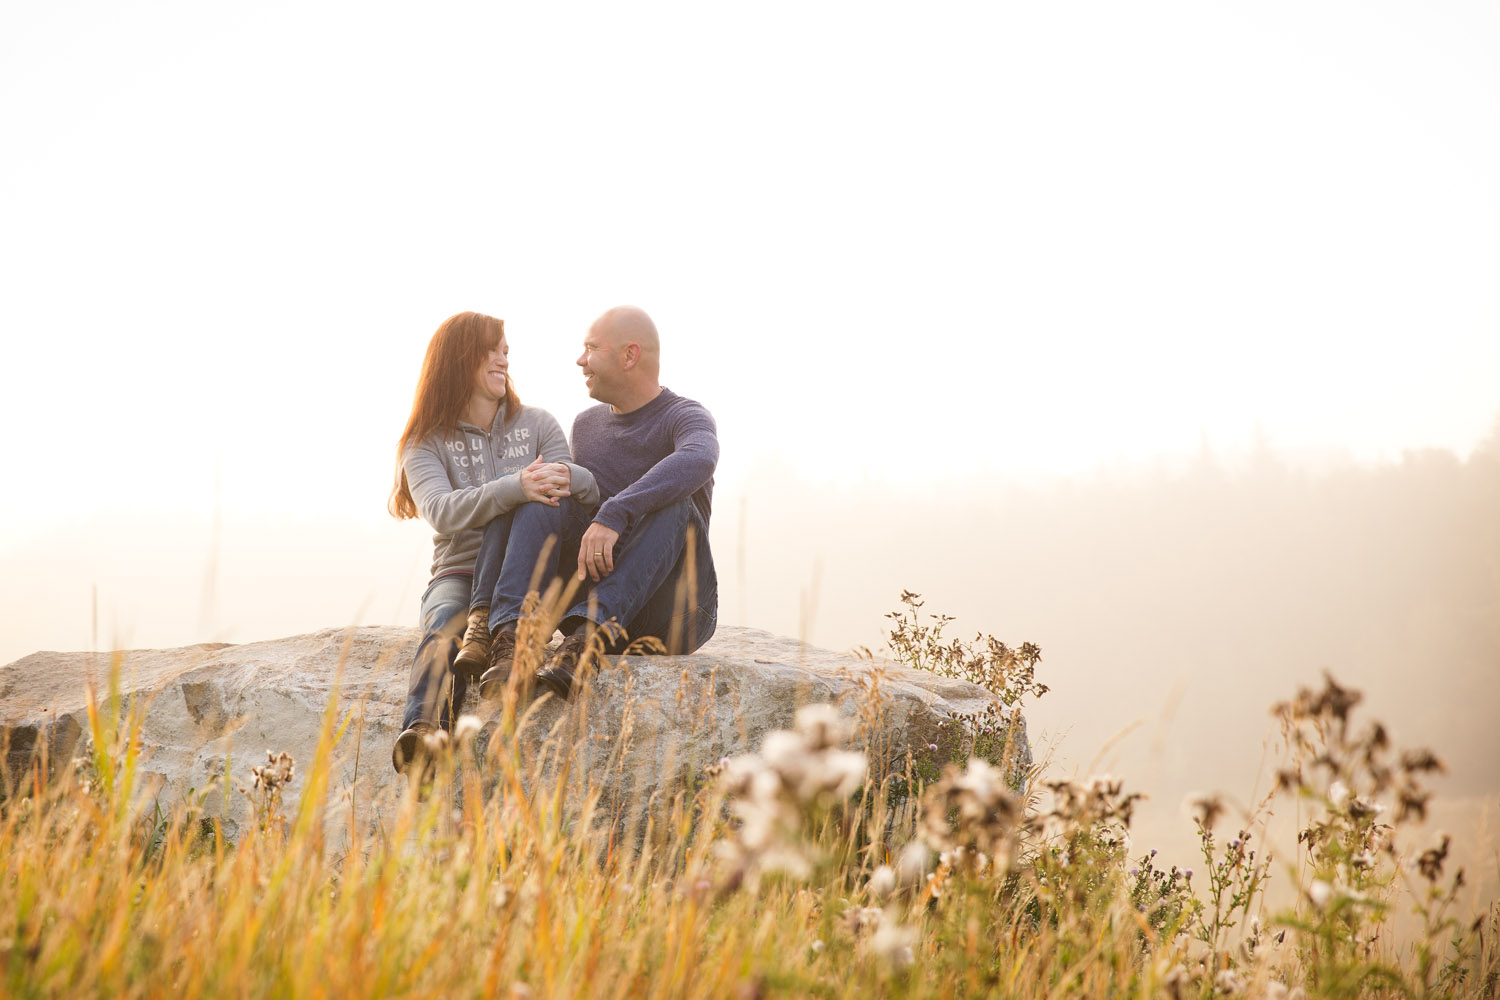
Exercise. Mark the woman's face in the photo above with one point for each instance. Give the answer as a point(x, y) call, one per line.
point(489, 381)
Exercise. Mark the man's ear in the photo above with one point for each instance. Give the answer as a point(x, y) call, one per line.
point(630, 355)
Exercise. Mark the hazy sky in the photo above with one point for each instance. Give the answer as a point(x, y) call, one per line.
point(881, 243)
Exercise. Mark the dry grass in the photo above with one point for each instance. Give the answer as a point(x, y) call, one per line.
point(801, 870)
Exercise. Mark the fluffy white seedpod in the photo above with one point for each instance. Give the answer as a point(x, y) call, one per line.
point(759, 823)
point(822, 726)
point(882, 882)
point(765, 786)
point(1320, 893)
point(1338, 794)
point(894, 944)
point(467, 728)
point(843, 772)
point(982, 779)
point(737, 774)
point(1228, 982)
point(786, 857)
point(786, 753)
point(913, 863)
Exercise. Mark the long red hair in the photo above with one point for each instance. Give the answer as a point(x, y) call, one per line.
point(454, 354)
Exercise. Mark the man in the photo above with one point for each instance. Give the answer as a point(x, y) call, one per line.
point(642, 556)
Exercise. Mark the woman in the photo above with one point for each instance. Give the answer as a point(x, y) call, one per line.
point(479, 467)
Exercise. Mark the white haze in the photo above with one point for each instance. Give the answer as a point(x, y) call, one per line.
point(946, 278)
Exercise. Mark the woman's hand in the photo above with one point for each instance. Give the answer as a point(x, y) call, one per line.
point(546, 482)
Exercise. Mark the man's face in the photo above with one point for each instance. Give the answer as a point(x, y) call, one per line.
point(600, 362)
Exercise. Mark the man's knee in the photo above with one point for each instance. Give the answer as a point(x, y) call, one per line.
point(671, 525)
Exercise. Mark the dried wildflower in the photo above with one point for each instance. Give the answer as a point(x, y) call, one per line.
point(973, 808)
point(1099, 804)
point(1430, 861)
point(1422, 760)
point(276, 773)
point(1320, 892)
point(1412, 803)
point(860, 919)
point(1178, 983)
point(1206, 811)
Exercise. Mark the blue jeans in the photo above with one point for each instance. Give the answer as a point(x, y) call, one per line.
point(661, 585)
point(432, 690)
point(510, 557)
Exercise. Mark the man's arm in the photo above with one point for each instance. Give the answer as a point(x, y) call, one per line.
point(691, 464)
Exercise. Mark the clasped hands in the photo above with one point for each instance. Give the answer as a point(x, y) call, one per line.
point(548, 483)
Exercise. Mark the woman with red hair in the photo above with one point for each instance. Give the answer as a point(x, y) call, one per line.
point(487, 473)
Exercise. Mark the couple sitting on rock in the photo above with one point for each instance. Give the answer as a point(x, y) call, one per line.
point(626, 509)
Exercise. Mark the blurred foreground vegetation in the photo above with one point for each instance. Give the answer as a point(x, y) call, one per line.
point(817, 866)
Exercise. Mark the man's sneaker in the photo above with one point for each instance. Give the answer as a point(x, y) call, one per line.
point(566, 667)
point(502, 654)
point(413, 747)
point(474, 655)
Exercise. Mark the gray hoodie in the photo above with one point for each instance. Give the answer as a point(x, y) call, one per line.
point(463, 479)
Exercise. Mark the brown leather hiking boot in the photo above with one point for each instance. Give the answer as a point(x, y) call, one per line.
point(566, 667)
point(474, 655)
point(502, 654)
point(413, 747)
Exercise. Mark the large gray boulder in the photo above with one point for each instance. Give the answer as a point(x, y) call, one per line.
point(214, 707)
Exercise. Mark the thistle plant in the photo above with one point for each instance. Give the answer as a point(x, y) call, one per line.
point(1085, 837)
point(1163, 896)
point(1236, 882)
point(1363, 794)
point(267, 785)
point(1009, 673)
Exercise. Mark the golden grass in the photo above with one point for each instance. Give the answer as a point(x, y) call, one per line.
point(788, 873)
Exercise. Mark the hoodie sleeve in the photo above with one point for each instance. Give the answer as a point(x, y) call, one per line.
point(451, 510)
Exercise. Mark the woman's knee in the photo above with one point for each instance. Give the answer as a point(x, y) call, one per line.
point(534, 512)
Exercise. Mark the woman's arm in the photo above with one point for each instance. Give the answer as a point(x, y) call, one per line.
point(451, 510)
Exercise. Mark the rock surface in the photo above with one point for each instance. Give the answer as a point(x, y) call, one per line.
point(646, 720)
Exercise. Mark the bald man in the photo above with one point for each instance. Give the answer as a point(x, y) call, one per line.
point(642, 555)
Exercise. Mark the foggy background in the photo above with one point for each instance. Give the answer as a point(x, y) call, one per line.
point(1174, 603)
point(1164, 335)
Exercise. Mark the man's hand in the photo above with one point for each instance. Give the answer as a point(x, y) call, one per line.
point(596, 552)
point(546, 482)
